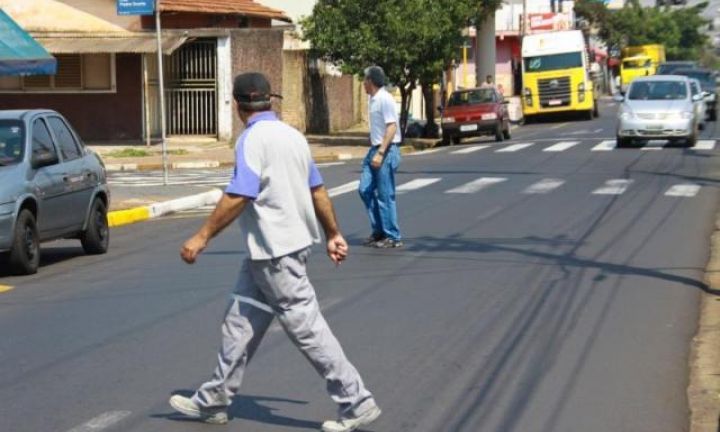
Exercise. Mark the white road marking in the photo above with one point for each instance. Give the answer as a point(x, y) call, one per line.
point(470, 149)
point(559, 126)
point(424, 152)
point(597, 130)
point(416, 184)
point(329, 164)
point(513, 148)
point(544, 186)
point(654, 145)
point(704, 145)
point(561, 146)
point(476, 185)
point(103, 421)
point(606, 145)
point(613, 187)
point(683, 190)
point(347, 187)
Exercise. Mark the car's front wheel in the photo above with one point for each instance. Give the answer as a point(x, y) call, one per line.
point(96, 238)
point(24, 257)
point(499, 136)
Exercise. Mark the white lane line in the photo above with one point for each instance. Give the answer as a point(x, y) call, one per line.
point(103, 421)
point(513, 148)
point(476, 185)
point(654, 145)
point(606, 145)
point(424, 152)
point(544, 186)
point(416, 184)
point(329, 164)
point(704, 145)
point(683, 190)
point(347, 187)
point(470, 149)
point(597, 130)
point(562, 146)
point(613, 187)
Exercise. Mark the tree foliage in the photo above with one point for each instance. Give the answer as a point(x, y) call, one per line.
point(679, 29)
point(412, 40)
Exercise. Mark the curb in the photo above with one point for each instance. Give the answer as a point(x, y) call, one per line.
point(138, 214)
point(704, 386)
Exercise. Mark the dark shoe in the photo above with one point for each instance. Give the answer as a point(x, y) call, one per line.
point(373, 239)
point(387, 243)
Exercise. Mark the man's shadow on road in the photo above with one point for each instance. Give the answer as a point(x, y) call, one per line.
point(254, 408)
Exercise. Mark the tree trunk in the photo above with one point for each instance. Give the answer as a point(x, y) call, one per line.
point(431, 128)
point(405, 91)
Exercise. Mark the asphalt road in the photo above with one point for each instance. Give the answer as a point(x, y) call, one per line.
point(541, 291)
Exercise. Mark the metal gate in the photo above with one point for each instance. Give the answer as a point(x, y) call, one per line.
point(191, 92)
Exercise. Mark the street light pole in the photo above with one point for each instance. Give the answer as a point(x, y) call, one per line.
point(161, 85)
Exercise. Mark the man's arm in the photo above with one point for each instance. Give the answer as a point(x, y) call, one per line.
point(337, 247)
point(227, 210)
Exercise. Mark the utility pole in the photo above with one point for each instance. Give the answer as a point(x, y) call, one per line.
point(161, 84)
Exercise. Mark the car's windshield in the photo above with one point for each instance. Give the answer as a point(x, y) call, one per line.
point(472, 97)
point(657, 90)
point(12, 137)
point(553, 62)
point(667, 69)
point(637, 63)
point(706, 78)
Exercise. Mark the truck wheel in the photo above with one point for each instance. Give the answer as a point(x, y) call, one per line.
point(96, 238)
point(24, 256)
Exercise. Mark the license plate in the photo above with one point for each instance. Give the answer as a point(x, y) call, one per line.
point(467, 128)
point(654, 127)
point(554, 102)
point(488, 116)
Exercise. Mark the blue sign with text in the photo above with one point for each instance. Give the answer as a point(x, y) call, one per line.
point(135, 7)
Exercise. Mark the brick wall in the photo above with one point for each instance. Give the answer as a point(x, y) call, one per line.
point(258, 50)
point(294, 111)
point(95, 116)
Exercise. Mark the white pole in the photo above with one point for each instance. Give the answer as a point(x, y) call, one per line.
point(161, 82)
point(146, 99)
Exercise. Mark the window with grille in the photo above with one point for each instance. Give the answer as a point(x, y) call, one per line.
point(76, 73)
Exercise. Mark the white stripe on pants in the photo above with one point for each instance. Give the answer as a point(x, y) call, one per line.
point(282, 285)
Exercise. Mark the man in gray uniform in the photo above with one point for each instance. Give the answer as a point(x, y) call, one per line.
point(278, 194)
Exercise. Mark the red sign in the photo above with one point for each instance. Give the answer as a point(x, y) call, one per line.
point(549, 22)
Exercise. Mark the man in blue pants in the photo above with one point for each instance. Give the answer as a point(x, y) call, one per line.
point(377, 181)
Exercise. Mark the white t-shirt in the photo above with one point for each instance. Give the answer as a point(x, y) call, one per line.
point(382, 111)
point(274, 168)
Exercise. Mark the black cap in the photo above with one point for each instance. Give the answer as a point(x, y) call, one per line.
point(251, 90)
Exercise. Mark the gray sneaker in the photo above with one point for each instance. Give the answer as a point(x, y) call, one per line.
point(190, 409)
point(388, 243)
point(350, 424)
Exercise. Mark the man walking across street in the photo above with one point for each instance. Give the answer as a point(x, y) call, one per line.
point(278, 194)
point(377, 181)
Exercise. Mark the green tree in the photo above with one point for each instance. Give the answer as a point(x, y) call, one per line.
point(412, 40)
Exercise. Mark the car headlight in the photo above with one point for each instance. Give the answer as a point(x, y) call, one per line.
point(448, 120)
point(489, 116)
point(627, 115)
point(687, 115)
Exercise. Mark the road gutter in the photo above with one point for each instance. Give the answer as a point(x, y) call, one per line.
point(704, 387)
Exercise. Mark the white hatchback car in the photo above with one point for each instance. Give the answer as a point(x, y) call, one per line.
point(658, 107)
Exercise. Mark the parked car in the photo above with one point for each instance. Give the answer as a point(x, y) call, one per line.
point(51, 187)
point(698, 98)
point(658, 107)
point(475, 112)
point(669, 68)
point(709, 85)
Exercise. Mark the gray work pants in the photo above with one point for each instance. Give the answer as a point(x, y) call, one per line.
point(280, 288)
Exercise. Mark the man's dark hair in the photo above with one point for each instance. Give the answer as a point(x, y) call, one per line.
point(376, 75)
point(251, 91)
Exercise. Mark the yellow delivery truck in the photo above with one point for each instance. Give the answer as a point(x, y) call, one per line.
point(641, 60)
point(556, 75)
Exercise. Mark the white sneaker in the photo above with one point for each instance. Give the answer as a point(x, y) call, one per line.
point(350, 424)
point(190, 409)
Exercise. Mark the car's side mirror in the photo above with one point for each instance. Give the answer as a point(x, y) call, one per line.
point(697, 97)
point(706, 95)
point(43, 159)
point(618, 98)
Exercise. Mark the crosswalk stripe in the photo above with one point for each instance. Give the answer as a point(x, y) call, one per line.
point(347, 187)
point(476, 185)
point(704, 145)
point(606, 145)
point(513, 148)
point(683, 190)
point(544, 186)
point(416, 184)
point(613, 187)
point(562, 146)
point(470, 149)
point(653, 145)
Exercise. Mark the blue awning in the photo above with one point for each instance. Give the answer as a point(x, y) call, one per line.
point(20, 54)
